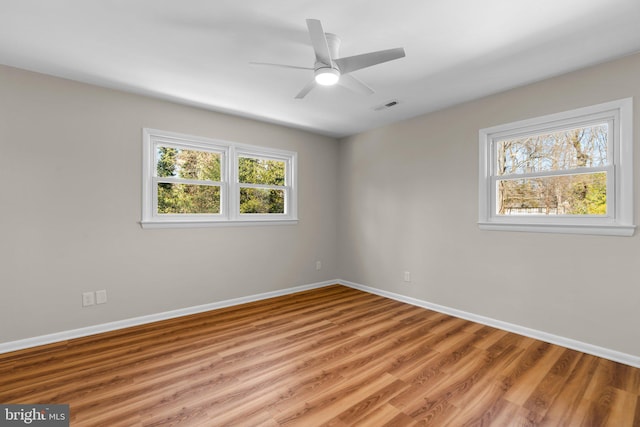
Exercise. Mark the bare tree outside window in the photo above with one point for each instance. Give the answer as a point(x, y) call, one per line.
point(553, 173)
point(568, 172)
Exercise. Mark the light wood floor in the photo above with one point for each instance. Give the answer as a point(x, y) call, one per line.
point(333, 356)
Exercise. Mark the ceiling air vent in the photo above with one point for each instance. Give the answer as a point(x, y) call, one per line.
point(386, 106)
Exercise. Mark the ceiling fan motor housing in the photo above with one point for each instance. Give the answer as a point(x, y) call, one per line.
point(333, 43)
point(329, 74)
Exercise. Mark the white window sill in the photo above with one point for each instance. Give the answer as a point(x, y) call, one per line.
point(204, 224)
point(600, 230)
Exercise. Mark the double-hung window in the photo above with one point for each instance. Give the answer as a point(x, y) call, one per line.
point(569, 172)
point(261, 182)
point(195, 181)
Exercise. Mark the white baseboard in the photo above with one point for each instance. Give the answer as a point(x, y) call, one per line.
point(121, 324)
point(594, 350)
point(605, 353)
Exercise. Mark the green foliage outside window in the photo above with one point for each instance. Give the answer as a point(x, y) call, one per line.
point(253, 170)
point(198, 198)
point(188, 198)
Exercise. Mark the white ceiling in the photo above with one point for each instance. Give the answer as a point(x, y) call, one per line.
point(198, 51)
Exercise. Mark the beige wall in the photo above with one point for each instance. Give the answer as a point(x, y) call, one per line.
point(70, 202)
point(409, 201)
point(400, 198)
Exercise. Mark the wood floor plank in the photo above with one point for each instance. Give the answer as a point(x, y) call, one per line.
point(384, 415)
point(333, 356)
point(551, 385)
point(520, 392)
point(371, 403)
point(570, 397)
point(477, 404)
point(511, 415)
point(441, 402)
point(623, 411)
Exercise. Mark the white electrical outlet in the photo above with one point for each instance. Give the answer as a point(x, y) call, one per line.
point(101, 296)
point(88, 298)
point(318, 265)
point(407, 276)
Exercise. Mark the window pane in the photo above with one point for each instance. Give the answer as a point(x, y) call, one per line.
point(260, 200)
point(187, 164)
point(562, 150)
point(252, 170)
point(583, 194)
point(188, 199)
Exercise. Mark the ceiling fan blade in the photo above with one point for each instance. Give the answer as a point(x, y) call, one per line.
point(319, 41)
point(280, 65)
point(355, 84)
point(358, 62)
point(305, 90)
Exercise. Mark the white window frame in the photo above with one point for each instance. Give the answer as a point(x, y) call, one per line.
point(255, 152)
point(619, 220)
point(229, 182)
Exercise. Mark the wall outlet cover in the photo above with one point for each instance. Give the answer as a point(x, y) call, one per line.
point(88, 298)
point(101, 296)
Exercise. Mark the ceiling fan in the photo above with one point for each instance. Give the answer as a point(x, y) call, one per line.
point(329, 69)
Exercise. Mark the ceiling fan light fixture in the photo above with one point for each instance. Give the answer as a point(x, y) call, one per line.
point(329, 66)
point(327, 76)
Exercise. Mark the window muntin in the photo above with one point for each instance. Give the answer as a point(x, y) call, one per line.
point(197, 181)
point(570, 172)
